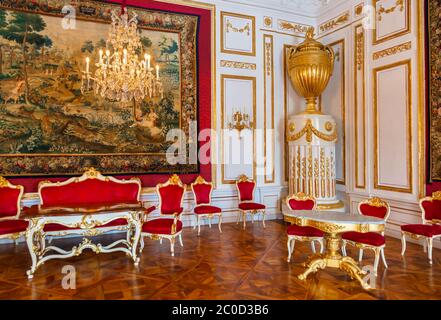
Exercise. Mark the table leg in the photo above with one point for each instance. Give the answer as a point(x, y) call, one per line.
point(137, 225)
point(33, 247)
point(333, 259)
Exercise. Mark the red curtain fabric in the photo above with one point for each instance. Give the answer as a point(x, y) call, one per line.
point(205, 96)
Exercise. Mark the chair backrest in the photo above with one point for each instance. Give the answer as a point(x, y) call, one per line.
point(171, 195)
point(202, 191)
point(91, 188)
point(431, 207)
point(245, 188)
point(10, 198)
point(374, 207)
point(301, 201)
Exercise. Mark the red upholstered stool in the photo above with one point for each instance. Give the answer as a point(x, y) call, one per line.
point(374, 207)
point(168, 226)
point(245, 189)
point(202, 196)
point(430, 229)
point(11, 227)
point(300, 201)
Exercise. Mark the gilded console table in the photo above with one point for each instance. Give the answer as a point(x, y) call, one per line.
point(334, 224)
point(86, 221)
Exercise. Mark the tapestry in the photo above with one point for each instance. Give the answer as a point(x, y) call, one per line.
point(434, 76)
point(49, 126)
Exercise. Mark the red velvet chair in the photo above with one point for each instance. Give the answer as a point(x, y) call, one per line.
point(245, 189)
point(11, 227)
point(169, 225)
point(300, 201)
point(374, 207)
point(430, 229)
point(202, 196)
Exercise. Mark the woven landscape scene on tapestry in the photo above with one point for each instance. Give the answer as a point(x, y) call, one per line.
point(434, 60)
point(49, 126)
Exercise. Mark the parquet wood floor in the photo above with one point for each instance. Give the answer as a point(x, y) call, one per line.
point(237, 264)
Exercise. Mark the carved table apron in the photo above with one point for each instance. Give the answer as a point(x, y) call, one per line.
point(87, 220)
point(334, 224)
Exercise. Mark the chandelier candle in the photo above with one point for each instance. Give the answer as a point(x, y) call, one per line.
point(126, 75)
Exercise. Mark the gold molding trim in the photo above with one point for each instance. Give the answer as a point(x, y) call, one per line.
point(377, 185)
point(286, 48)
point(341, 54)
point(392, 35)
point(282, 33)
point(359, 52)
point(340, 204)
point(237, 65)
point(421, 102)
point(335, 22)
point(268, 67)
point(223, 78)
point(292, 27)
point(225, 28)
point(392, 50)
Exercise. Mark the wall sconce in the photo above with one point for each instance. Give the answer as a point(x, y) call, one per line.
point(240, 121)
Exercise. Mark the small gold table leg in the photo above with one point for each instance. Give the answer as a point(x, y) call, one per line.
point(333, 259)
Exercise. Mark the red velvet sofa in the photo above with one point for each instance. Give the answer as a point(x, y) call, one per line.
point(91, 191)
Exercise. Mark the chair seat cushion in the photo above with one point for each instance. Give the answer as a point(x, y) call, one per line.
point(426, 230)
point(295, 230)
point(369, 238)
point(251, 206)
point(205, 209)
point(13, 226)
point(160, 226)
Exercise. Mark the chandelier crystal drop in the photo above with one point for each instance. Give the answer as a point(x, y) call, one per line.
point(123, 72)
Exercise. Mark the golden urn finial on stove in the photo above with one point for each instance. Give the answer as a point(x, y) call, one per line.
point(310, 66)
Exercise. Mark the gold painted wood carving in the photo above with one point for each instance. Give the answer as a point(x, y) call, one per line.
point(399, 4)
point(331, 24)
point(237, 65)
point(268, 22)
point(245, 30)
point(358, 9)
point(293, 27)
point(238, 34)
point(3, 182)
point(399, 14)
point(309, 130)
point(392, 50)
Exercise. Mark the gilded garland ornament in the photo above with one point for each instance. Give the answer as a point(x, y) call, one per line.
point(310, 67)
point(309, 130)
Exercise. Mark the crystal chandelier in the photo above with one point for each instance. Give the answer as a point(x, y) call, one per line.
point(123, 72)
